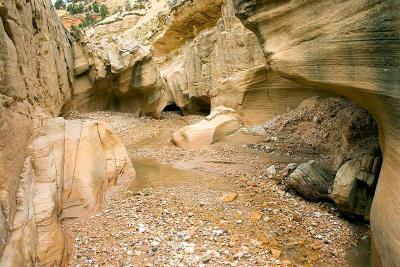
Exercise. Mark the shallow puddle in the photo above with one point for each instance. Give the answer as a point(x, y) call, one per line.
point(360, 255)
point(150, 174)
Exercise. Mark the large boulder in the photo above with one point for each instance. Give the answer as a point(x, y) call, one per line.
point(354, 186)
point(69, 167)
point(311, 180)
point(220, 123)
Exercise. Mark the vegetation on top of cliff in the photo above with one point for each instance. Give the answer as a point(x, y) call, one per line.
point(59, 4)
point(74, 9)
point(86, 13)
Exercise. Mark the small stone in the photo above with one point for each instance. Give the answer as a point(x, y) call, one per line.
point(286, 263)
point(255, 216)
point(141, 228)
point(297, 217)
point(89, 260)
point(320, 237)
point(271, 171)
point(206, 257)
point(274, 139)
point(276, 253)
point(317, 214)
point(189, 248)
point(229, 197)
point(316, 119)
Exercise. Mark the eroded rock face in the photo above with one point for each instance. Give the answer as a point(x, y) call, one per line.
point(350, 48)
point(69, 167)
point(36, 73)
point(311, 180)
point(354, 185)
point(220, 123)
point(196, 54)
point(218, 66)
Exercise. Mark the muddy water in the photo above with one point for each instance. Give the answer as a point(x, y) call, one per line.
point(360, 255)
point(151, 174)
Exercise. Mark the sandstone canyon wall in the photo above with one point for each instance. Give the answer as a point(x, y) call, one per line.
point(69, 167)
point(35, 78)
point(50, 169)
point(351, 48)
point(196, 54)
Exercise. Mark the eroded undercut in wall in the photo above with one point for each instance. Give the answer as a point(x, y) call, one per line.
point(198, 106)
point(341, 138)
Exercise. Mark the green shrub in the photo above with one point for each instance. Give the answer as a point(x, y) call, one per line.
point(59, 4)
point(74, 9)
point(95, 7)
point(87, 22)
point(104, 11)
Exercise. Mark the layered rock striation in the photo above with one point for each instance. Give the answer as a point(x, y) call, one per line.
point(69, 167)
point(36, 76)
point(196, 54)
point(349, 48)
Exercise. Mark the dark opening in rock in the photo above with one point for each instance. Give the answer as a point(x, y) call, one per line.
point(172, 107)
point(199, 106)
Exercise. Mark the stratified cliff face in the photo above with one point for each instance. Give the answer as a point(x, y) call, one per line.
point(225, 65)
point(206, 70)
point(197, 54)
point(35, 78)
point(351, 48)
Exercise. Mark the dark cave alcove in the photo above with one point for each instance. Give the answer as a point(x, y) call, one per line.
point(199, 106)
point(173, 107)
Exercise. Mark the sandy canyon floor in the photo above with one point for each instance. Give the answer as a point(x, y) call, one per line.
point(213, 207)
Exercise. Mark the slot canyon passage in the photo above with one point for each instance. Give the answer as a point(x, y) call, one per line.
point(199, 133)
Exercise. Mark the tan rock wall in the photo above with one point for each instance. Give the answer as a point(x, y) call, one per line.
point(198, 55)
point(69, 167)
point(350, 48)
point(225, 65)
point(35, 75)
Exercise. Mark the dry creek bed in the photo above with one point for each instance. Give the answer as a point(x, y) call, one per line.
point(213, 207)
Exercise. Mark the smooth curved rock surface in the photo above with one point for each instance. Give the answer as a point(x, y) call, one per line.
point(69, 167)
point(220, 123)
point(36, 74)
point(349, 48)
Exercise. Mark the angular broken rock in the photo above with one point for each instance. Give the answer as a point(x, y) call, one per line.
point(220, 123)
point(69, 167)
point(311, 180)
point(229, 197)
point(354, 185)
point(271, 171)
point(276, 253)
point(288, 169)
point(255, 216)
